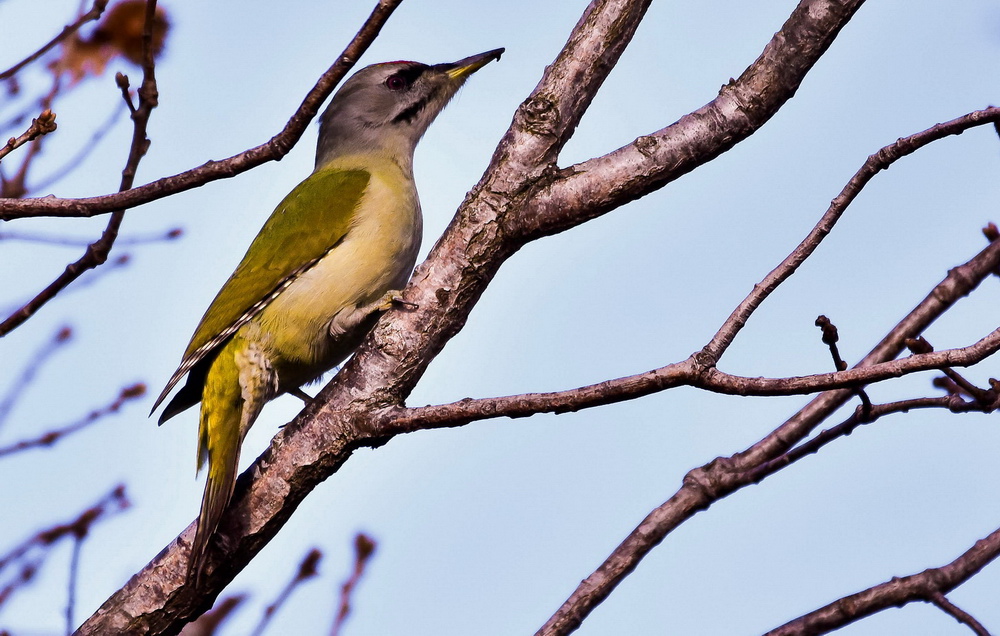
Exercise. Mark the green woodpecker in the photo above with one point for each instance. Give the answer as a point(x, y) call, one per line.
point(332, 256)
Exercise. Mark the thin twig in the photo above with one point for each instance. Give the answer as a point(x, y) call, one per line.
point(48, 439)
point(983, 396)
point(874, 164)
point(957, 613)
point(95, 275)
point(272, 150)
point(67, 241)
point(74, 569)
point(41, 125)
point(15, 186)
point(306, 571)
point(27, 375)
point(364, 548)
point(97, 252)
point(95, 12)
point(830, 338)
point(29, 555)
point(860, 417)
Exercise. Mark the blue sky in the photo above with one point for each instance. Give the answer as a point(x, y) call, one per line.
point(492, 525)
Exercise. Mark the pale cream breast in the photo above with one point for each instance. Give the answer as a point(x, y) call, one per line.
point(375, 256)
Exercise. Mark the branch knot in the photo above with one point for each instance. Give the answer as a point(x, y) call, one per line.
point(539, 115)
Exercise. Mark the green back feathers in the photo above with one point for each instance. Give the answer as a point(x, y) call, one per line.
point(308, 223)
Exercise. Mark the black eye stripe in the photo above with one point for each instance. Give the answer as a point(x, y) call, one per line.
point(408, 113)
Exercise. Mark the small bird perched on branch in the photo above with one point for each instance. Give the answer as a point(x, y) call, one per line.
point(333, 255)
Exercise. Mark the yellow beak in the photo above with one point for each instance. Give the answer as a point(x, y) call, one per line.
point(463, 68)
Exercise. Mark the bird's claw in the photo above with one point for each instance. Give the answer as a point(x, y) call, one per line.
point(392, 299)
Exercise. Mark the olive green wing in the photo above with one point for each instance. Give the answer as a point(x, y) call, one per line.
point(307, 224)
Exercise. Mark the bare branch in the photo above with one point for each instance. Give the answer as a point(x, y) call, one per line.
point(395, 354)
point(549, 116)
point(364, 548)
point(707, 484)
point(860, 417)
point(594, 187)
point(306, 571)
point(272, 150)
point(27, 375)
point(97, 252)
point(29, 555)
point(929, 585)
point(51, 437)
point(95, 12)
point(67, 241)
point(958, 613)
point(875, 163)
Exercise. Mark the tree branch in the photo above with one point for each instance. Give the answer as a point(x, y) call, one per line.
point(928, 585)
point(958, 614)
point(594, 187)
point(959, 282)
point(41, 125)
point(394, 356)
point(272, 150)
point(97, 252)
point(721, 477)
point(95, 12)
point(874, 164)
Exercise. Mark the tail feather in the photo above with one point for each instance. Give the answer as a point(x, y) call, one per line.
point(219, 445)
point(237, 386)
point(218, 491)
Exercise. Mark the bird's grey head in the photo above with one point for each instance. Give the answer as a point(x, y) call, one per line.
point(386, 108)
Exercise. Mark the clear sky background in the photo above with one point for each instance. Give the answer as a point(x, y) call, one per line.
point(487, 529)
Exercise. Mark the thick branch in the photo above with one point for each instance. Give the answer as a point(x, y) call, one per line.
point(314, 446)
point(594, 187)
point(444, 290)
point(272, 150)
point(546, 120)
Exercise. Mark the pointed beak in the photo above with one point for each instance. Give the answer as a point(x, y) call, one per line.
point(463, 68)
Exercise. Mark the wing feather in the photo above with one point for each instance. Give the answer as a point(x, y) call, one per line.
point(307, 224)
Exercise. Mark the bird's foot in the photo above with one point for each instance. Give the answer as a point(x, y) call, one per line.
point(391, 299)
point(299, 393)
point(347, 320)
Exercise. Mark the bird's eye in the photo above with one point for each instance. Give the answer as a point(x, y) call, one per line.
point(395, 83)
